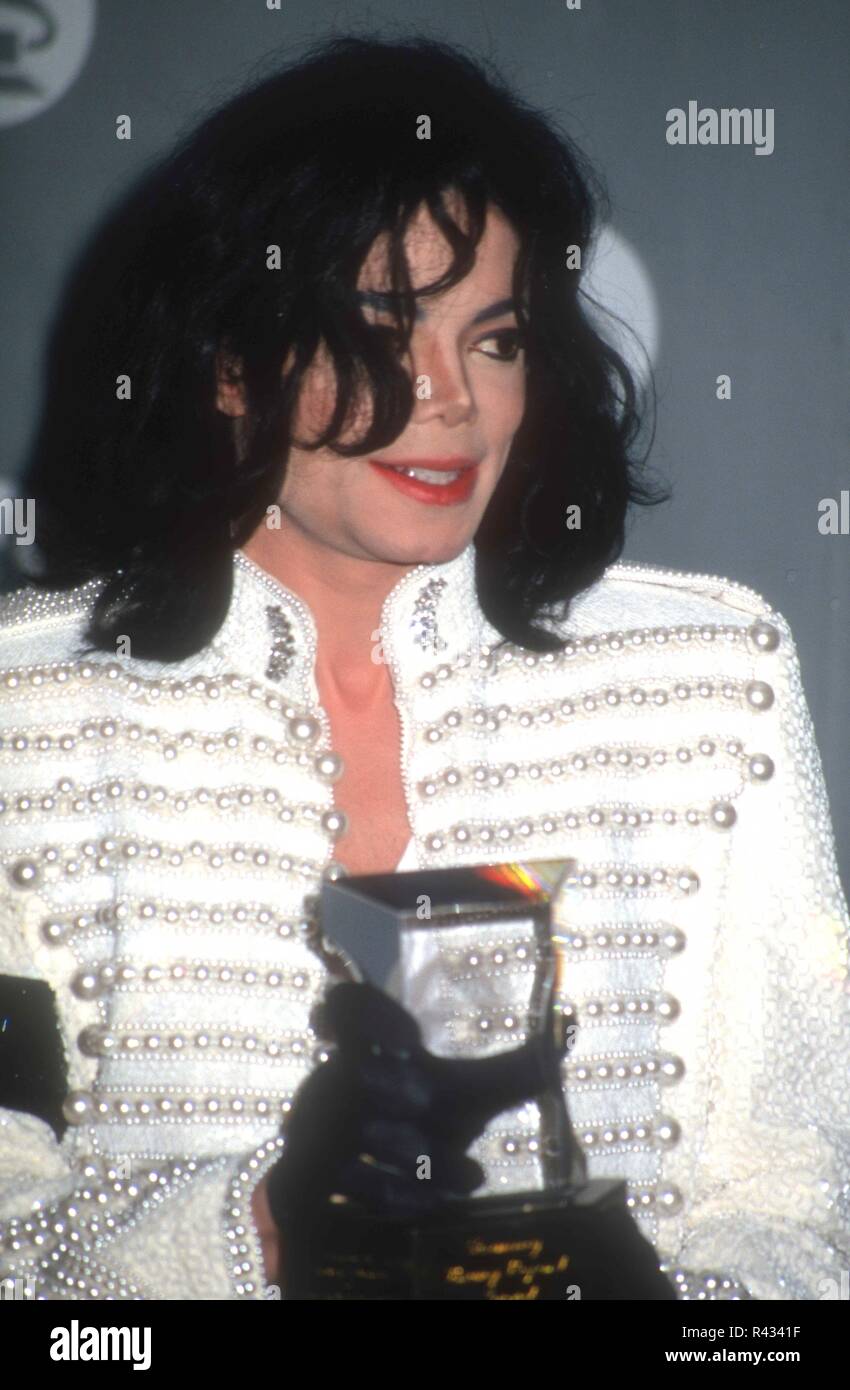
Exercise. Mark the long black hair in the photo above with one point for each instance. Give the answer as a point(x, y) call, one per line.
point(154, 490)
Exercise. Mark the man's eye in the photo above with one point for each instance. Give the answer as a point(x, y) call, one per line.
point(509, 342)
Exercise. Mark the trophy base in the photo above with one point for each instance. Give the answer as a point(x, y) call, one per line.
point(577, 1245)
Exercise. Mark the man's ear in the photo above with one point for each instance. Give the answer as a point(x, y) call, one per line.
point(230, 394)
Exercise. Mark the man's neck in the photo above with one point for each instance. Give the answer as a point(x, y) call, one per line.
point(345, 595)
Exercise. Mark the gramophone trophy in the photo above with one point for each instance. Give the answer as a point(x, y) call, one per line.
point(564, 1236)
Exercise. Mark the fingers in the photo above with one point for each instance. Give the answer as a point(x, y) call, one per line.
point(355, 1016)
point(421, 1157)
point(331, 1111)
point(364, 1022)
point(388, 1086)
point(399, 1183)
point(324, 1154)
point(385, 1193)
point(344, 1089)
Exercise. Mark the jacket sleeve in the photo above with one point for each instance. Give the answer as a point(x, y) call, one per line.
point(79, 1226)
point(769, 1181)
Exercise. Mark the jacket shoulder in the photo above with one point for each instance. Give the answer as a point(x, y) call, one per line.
point(634, 595)
point(43, 626)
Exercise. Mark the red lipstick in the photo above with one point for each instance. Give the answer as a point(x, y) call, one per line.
point(401, 473)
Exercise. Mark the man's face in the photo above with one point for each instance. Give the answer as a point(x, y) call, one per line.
point(468, 366)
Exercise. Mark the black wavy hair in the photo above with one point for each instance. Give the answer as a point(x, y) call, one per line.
point(154, 492)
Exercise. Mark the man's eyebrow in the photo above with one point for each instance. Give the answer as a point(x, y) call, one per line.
point(377, 300)
point(494, 311)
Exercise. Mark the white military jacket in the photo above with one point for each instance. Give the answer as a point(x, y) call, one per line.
point(161, 825)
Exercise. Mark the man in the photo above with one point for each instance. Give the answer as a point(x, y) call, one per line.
point(371, 453)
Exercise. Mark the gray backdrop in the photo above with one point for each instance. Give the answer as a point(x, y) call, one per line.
point(746, 253)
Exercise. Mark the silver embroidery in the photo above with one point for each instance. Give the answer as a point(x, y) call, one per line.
point(283, 643)
point(423, 624)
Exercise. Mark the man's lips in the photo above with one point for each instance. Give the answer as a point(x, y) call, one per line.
point(433, 465)
point(422, 479)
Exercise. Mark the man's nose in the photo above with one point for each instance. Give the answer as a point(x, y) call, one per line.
point(441, 385)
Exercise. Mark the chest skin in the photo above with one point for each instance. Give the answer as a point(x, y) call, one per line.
point(370, 790)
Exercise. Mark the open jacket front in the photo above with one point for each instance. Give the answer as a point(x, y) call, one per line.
point(161, 824)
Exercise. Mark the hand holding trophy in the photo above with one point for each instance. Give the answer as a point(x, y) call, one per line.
point(373, 1191)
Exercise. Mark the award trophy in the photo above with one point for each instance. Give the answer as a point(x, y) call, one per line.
point(567, 1237)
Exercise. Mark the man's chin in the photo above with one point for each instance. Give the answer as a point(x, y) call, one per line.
point(423, 551)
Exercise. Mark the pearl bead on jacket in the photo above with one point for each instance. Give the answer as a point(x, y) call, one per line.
point(162, 825)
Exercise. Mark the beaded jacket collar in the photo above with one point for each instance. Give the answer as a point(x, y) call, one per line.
point(431, 612)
